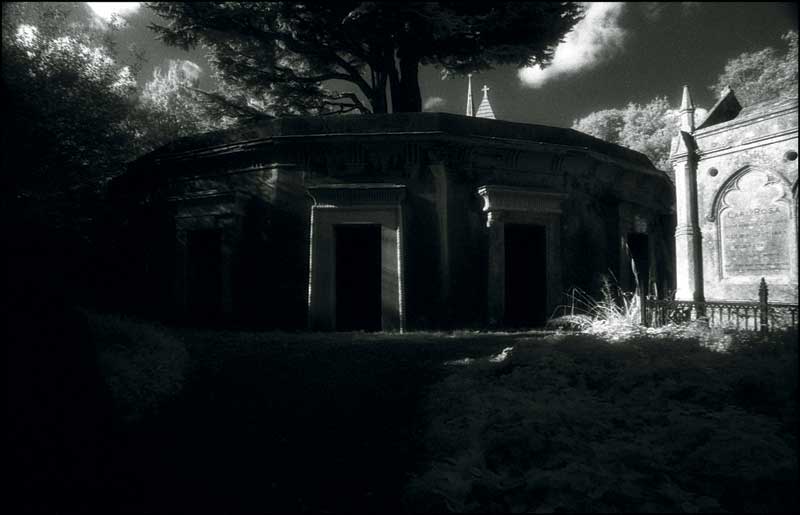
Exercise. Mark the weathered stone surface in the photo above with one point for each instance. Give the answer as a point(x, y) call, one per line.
point(278, 190)
point(745, 186)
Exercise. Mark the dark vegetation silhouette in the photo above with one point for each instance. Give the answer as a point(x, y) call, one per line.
point(284, 54)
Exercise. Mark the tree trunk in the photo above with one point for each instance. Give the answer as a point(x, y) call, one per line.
point(404, 84)
point(377, 98)
point(409, 84)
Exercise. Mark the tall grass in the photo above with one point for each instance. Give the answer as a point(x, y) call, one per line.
point(615, 315)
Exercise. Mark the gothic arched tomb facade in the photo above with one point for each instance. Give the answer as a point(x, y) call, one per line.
point(736, 189)
point(394, 222)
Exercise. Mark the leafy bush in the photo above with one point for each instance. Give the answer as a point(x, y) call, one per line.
point(142, 364)
point(650, 424)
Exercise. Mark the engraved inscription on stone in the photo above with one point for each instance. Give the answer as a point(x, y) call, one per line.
point(755, 227)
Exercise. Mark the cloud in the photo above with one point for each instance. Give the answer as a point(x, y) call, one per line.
point(595, 39)
point(111, 12)
point(433, 102)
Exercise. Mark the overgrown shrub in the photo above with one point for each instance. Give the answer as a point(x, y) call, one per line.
point(141, 362)
point(577, 424)
point(616, 315)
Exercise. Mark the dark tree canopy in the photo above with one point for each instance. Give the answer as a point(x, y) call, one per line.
point(285, 52)
point(67, 100)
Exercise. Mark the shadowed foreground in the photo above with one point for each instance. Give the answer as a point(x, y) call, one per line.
point(275, 422)
point(179, 420)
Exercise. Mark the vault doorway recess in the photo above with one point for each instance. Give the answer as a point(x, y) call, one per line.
point(524, 249)
point(526, 275)
point(204, 273)
point(639, 252)
point(358, 277)
point(367, 222)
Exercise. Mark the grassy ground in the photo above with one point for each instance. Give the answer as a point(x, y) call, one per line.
point(651, 424)
point(236, 421)
point(284, 422)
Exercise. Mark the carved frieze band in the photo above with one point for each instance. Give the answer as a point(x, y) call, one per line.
point(509, 198)
point(334, 195)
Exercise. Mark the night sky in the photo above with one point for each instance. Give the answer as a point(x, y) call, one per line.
point(625, 52)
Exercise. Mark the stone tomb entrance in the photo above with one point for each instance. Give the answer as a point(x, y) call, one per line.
point(358, 277)
point(356, 258)
point(524, 268)
point(639, 252)
point(204, 272)
point(526, 275)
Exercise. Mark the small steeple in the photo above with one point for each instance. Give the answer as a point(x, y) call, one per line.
point(485, 109)
point(687, 111)
point(470, 103)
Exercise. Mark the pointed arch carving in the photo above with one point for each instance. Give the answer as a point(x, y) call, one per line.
point(732, 182)
point(753, 211)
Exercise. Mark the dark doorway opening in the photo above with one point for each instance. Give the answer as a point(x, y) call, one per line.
point(639, 248)
point(204, 273)
point(358, 277)
point(526, 275)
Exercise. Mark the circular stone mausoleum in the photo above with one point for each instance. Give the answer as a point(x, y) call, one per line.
point(391, 222)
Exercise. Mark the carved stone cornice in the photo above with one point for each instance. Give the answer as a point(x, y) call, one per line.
point(341, 195)
point(499, 200)
point(512, 198)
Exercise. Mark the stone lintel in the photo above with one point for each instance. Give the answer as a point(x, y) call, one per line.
point(335, 195)
point(512, 198)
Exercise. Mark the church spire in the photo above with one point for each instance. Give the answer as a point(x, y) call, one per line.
point(470, 103)
point(687, 111)
point(485, 109)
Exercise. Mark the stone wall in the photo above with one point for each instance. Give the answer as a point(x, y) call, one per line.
point(461, 178)
point(746, 187)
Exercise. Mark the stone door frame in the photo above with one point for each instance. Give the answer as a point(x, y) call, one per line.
point(517, 205)
point(206, 211)
point(344, 204)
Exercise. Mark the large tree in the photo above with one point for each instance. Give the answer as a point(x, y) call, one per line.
point(67, 100)
point(761, 75)
point(285, 53)
point(646, 128)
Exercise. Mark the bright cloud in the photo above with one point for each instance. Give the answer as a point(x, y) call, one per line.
point(596, 38)
point(108, 10)
point(432, 103)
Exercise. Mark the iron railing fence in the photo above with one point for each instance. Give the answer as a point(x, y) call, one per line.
point(759, 316)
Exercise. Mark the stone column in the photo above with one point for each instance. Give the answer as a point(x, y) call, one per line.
point(496, 290)
point(688, 238)
point(442, 191)
point(322, 268)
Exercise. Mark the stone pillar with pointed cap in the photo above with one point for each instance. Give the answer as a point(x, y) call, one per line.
point(688, 238)
point(470, 103)
point(687, 111)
